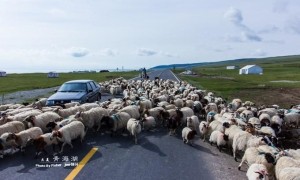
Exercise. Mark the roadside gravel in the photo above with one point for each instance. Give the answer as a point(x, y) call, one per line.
point(24, 96)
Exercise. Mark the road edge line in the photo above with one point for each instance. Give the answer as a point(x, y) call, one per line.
point(81, 164)
point(175, 76)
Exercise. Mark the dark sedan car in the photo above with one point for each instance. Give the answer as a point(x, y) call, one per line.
point(81, 91)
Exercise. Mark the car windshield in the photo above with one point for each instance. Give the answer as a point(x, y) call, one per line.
point(72, 87)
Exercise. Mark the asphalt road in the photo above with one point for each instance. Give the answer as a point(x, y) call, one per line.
point(157, 156)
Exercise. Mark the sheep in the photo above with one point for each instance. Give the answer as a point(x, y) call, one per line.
point(134, 128)
point(257, 171)
point(21, 139)
point(255, 141)
point(13, 127)
point(239, 143)
point(116, 121)
point(41, 120)
point(293, 153)
point(193, 123)
point(188, 135)
point(187, 112)
point(265, 119)
point(69, 132)
point(88, 106)
point(178, 103)
point(42, 141)
point(254, 155)
point(285, 162)
point(289, 173)
point(5, 145)
point(211, 107)
point(132, 110)
point(64, 113)
point(265, 130)
point(52, 125)
point(292, 118)
point(148, 122)
point(144, 104)
point(21, 116)
point(218, 138)
point(92, 117)
point(203, 129)
point(71, 104)
point(39, 103)
point(231, 131)
point(115, 89)
point(255, 122)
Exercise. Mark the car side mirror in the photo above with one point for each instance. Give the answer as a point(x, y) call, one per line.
point(55, 90)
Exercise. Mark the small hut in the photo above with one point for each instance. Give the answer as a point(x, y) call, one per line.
point(2, 74)
point(53, 75)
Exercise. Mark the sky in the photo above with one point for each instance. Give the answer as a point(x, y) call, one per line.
point(67, 35)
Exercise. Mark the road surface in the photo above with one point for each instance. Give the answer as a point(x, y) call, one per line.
point(157, 156)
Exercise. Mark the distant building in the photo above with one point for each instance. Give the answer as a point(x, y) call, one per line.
point(2, 74)
point(53, 75)
point(251, 69)
point(188, 72)
point(232, 67)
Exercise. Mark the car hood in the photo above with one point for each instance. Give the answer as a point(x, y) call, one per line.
point(66, 95)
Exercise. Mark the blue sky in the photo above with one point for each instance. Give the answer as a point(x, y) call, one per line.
point(65, 35)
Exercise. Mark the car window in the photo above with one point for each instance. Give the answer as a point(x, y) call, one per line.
point(69, 87)
point(89, 87)
point(93, 85)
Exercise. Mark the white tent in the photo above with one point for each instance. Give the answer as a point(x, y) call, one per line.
point(2, 73)
point(251, 69)
point(53, 75)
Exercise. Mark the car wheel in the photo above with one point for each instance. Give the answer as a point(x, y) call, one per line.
point(99, 97)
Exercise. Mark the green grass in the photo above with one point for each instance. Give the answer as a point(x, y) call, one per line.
point(228, 83)
point(19, 82)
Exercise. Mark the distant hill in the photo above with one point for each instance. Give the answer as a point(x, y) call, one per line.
point(239, 62)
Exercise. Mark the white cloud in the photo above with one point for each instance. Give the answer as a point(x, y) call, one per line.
point(293, 25)
point(234, 15)
point(280, 6)
point(249, 36)
point(78, 51)
point(108, 52)
point(146, 52)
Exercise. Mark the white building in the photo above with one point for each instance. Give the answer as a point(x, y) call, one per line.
point(53, 75)
point(2, 73)
point(251, 69)
point(231, 67)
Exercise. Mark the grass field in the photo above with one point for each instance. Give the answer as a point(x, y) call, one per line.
point(258, 88)
point(19, 82)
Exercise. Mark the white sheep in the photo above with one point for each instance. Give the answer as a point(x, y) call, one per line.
point(132, 110)
point(292, 118)
point(187, 112)
point(218, 138)
point(193, 123)
point(21, 116)
point(188, 135)
point(69, 132)
point(148, 122)
point(203, 129)
point(255, 122)
point(293, 153)
point(64, 113)
point(257, 171)
point(255, 141)
point(92, 117)
point(12, 127)
point(42, 142)
point(116, 121)
point(239, 143)
point(265, 130)
point(42, 120)
point(289, 173)
point(257, 155)
point(284, 162)
point(134, 127)
point(21, 139)
point(265, 119)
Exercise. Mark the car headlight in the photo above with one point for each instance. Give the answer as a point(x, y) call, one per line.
point(49, 103)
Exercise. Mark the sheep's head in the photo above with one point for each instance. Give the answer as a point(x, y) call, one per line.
point(78, 114)
point(11, 136)
point(270, 159)
point(56, 134)
point(262, 174)
point(226, 125)
point(51, 125)
point(191, 134)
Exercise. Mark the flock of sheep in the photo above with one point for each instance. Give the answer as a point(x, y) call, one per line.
point(238, 126)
